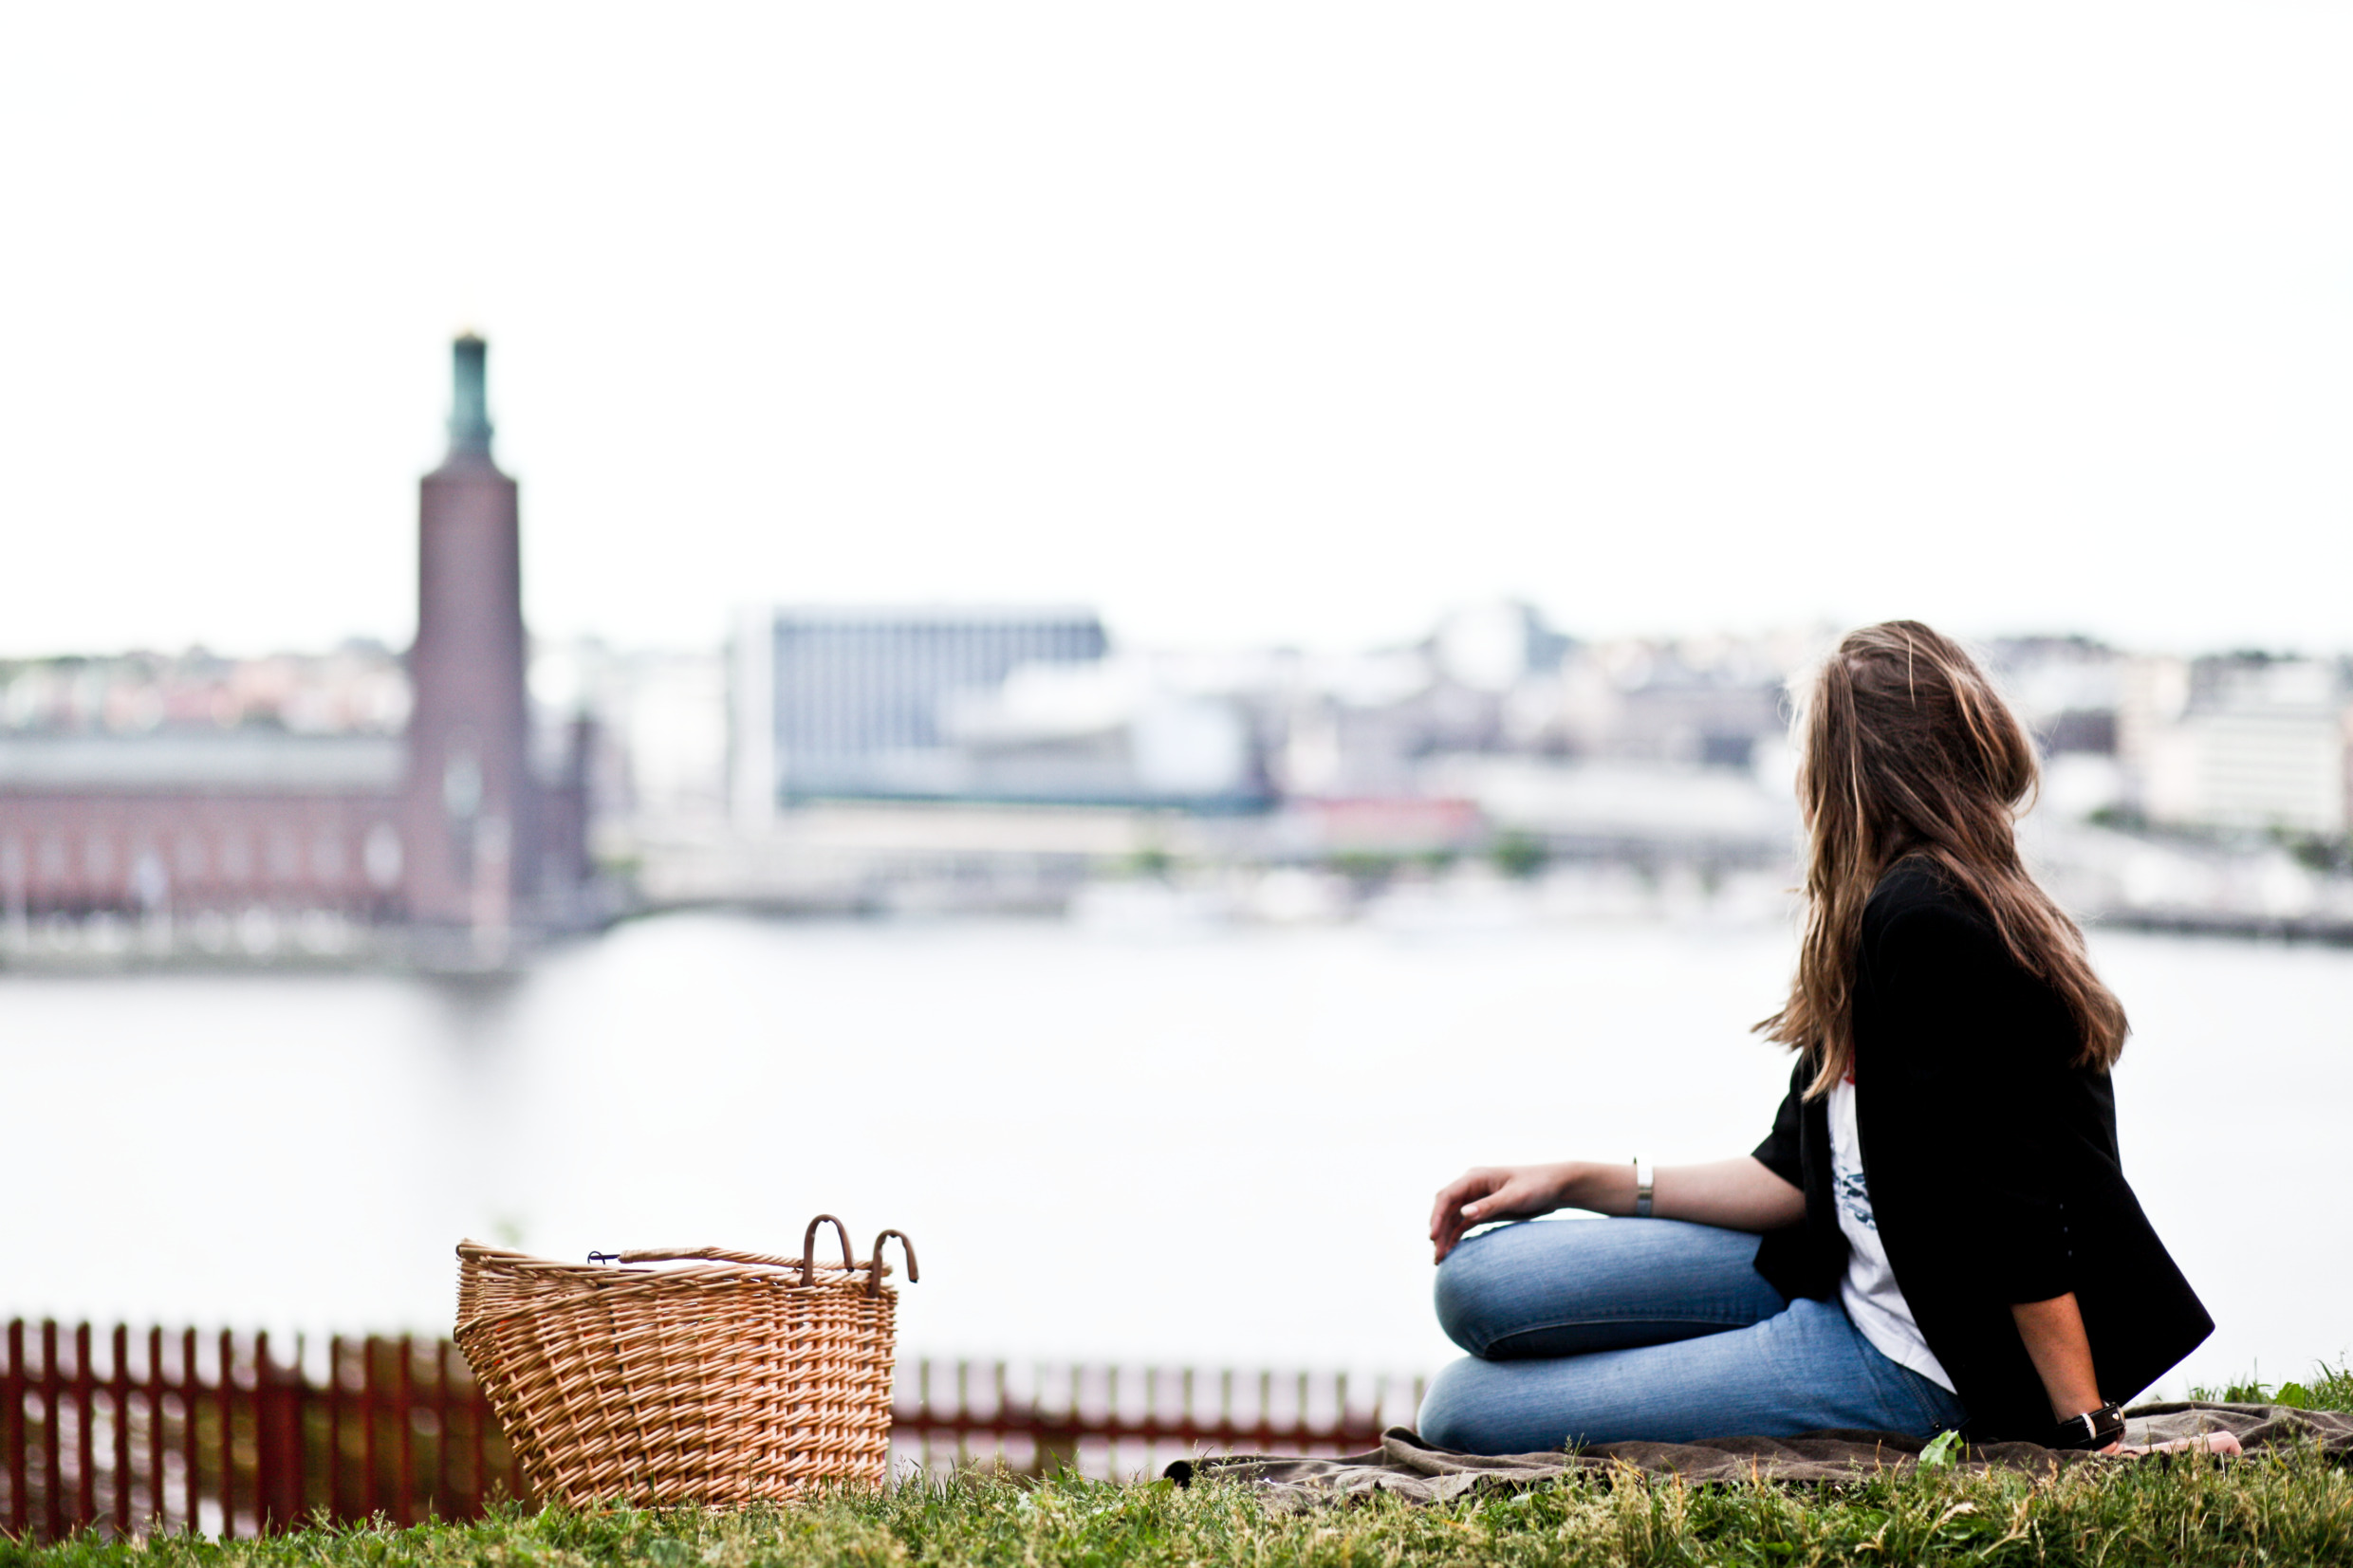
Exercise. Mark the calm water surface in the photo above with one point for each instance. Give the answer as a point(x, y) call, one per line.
point(1214, 1146)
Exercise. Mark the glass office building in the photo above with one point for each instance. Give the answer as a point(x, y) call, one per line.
point(849, 703)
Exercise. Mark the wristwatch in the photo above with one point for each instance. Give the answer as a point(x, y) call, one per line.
point(1642, 1177)
point(2091, 1429)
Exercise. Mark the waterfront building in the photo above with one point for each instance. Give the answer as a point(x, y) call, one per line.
point(2238, 742)
point(853, 704)
point(431, 812)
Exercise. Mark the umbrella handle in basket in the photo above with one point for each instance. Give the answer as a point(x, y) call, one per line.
point(808, 1248)
point(873, 1269)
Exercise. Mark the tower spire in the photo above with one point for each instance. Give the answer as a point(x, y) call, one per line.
point(469, 404)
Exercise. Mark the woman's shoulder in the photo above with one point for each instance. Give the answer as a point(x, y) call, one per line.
point(1917, 898)
point(1927, 938)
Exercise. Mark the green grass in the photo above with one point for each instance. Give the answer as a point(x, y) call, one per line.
point(2292, 1509)
point(2286, 1507)
point(2331, 1389)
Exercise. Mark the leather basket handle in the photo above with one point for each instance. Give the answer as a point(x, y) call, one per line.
point(874, 1268)
point(808, 1248)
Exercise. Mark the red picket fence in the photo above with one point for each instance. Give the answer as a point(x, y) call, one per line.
point(1113, 1421)
point(177, 1431)
point(130, 1434)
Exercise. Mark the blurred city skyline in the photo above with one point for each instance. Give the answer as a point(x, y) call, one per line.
point(1248, 328)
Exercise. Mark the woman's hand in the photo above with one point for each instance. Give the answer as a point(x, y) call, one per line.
point(2222, 1442)
point(1735, 1194)
point(1495, 1192)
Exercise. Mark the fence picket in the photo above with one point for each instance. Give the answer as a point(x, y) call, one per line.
point(85, 1457)
point(371, 1491)
point(53, 1460)
point(118, 1400)
point(404, 1436)
point(191, 1443)
point(477, 1474)
point(12, 1390)
point(155, 1426)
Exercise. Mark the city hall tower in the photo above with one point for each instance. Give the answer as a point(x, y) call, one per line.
point(470, 803)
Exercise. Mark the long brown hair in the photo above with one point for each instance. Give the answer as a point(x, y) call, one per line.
point(1908, 751)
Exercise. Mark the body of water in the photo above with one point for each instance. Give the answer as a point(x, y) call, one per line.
point(1212, 1145)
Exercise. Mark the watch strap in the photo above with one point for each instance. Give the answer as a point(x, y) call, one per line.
point(2092, 1430)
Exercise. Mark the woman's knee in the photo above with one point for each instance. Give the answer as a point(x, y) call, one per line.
point(1467, 1293)
point(1496, 1407)
point(1499, 1283)
point(1449, 1411)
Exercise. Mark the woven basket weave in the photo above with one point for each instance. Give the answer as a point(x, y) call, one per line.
point(733, 1377)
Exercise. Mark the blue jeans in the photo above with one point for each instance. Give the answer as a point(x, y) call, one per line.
point(1606, 1331)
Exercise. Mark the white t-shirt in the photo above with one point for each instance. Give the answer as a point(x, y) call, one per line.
point(1869, 1290)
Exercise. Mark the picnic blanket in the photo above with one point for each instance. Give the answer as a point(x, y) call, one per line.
point(1406, 1467)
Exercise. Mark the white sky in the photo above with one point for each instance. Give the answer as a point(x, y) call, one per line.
point(1244, 323)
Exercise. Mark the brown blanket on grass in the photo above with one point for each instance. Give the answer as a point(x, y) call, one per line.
point(1408, 1468)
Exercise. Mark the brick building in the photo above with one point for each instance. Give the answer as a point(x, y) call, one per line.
point(452, 837)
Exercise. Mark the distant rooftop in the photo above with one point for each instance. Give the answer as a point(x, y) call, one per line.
point(235, 762)
point(923, 614)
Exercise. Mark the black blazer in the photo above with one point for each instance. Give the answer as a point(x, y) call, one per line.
point(1991, 1161)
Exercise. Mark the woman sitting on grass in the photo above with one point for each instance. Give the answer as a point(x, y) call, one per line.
point(1948, 1239)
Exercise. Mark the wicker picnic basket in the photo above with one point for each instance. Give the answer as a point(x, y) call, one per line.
point(731, 1378)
